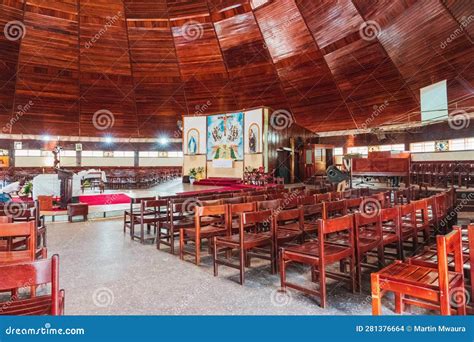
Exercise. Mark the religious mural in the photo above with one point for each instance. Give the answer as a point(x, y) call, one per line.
point(225, 136)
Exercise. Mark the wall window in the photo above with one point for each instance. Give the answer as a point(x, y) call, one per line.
point(338, 151)
point(99, 154)
point(427, 146)
point(68, 153)
point(364, 150)
point(148, 154)
point(28, 153)
point(123, 154)
point(175, 154)
point(461, 144)
point(161, 154)
point(394, 147)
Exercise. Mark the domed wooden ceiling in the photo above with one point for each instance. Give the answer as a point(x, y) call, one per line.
point(132, 68)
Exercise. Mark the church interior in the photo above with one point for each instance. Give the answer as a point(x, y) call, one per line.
point(236, 157)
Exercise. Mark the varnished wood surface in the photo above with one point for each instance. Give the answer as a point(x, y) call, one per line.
point(307, 57)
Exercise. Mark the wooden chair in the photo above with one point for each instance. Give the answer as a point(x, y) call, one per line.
point(150, 215)
point(334, 209)
point(422, 222)
point(32, 274)
point(128, 215)
point(323, 197)
point(311, 214)
point(276, 195)
point(22, 230)
point(289, 227)
point(233, 200)
point(424, 286)
point(235, 211)
point(319, 254)
point(290, 202)
point(307, 200)
point(257, 198)
point(391, 230)
point(408, 226)
point(178, 217)
point(269, 205)
point(203, 230)
point(353, 204)
point(368, 237)
point(250, 244)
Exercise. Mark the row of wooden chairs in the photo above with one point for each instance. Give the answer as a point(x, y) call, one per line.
point(433, 280)
point(443, 174)
point(24, 264)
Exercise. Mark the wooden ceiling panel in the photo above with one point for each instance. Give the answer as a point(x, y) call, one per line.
point(200, 59)
point(364, 74)
point(307, 82)
point(418, 42)
point(48, 69)
point(106, 77)
point(11, 11)
point(253, 76)
point(159, 91)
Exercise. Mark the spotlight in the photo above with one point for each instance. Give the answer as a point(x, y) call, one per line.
point(108, 140)
point(46, 138)
point(164, 141)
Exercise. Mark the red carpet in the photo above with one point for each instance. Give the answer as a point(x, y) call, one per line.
point(105, 199)
point(218, 181)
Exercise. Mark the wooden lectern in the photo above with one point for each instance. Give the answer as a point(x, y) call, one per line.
point(65, 177)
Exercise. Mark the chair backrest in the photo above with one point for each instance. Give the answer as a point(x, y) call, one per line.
point(379, 197)
point(266, 205)
point(307, 200)
point(33, 273)
point(223, 195)
point(339, 224)
point(446, 245)
point(373, 223)
point(263, 217)
point(391, 217)
point(155, 204)
point(421, 209)
point(239, 208)
point(19, 229)
point(336, 196)
point(233, 200)
point(6, 219)
point(334, 209)
point(206, 197)
point(139, 200)
point(214, 210)
point(291, 215)
point(441, 208)
point(256, 198)
point(313, 211)
point(209, 203)
point(353, 204)
point(323, 197)
point(290, 202)
point(276, 195)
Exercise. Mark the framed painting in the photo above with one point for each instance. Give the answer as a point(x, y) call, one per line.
point(254, 138)
point(192, 141)
point(225, 136)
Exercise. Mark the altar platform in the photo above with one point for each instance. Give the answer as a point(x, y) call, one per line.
point(219, 181)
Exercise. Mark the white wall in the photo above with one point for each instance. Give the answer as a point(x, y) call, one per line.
point(102, 161)
point(443, 156)
point(161, 162)
point(42, 161)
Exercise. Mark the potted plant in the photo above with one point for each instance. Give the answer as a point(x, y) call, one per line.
point(192, 175)
point(26, 191)
point(199, 173)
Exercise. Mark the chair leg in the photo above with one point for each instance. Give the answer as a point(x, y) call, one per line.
point(198, 251)
point(282, 271)
point(376, 296)
point(322, 284)
point(171, 233)
point(214, 254)
point(181, 244)
point(358, 275)
point(242, 265)
point(399, 303)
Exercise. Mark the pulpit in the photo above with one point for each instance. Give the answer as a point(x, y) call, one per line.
point(65, 177)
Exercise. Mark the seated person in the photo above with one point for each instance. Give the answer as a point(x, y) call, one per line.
point(12, 188)
point(337, 176)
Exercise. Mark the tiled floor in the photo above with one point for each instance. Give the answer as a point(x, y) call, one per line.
point(104, 272)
